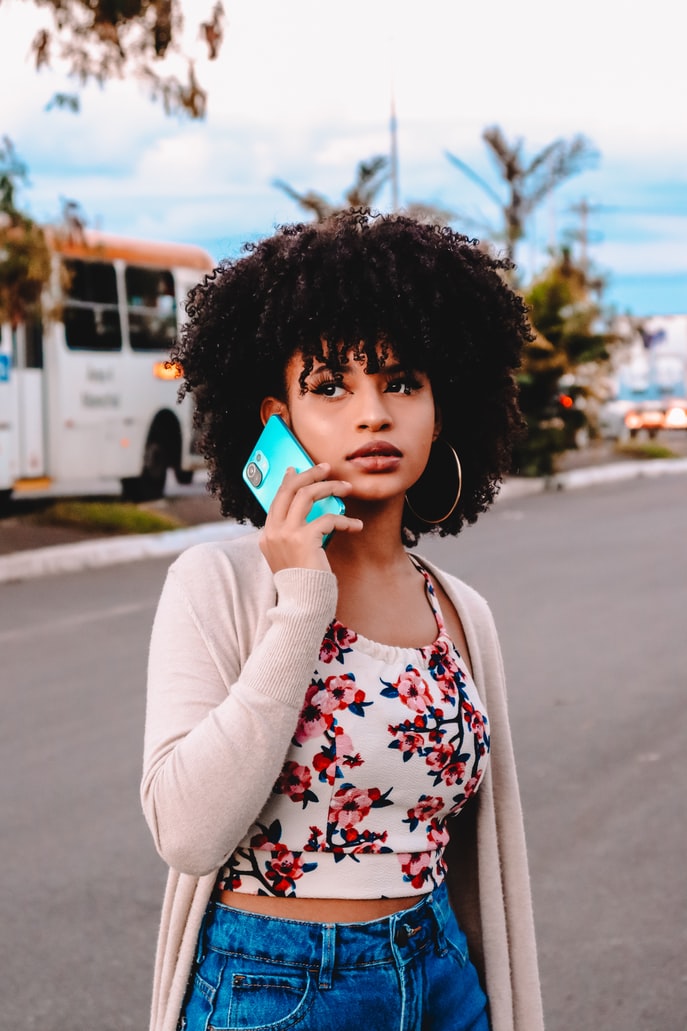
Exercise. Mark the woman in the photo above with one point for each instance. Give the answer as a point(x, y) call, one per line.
point(328, 767)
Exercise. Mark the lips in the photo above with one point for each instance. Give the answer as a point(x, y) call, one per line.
point(376, 449)
point(375, 457)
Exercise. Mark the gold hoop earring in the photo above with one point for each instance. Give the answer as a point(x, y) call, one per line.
point(442, 519)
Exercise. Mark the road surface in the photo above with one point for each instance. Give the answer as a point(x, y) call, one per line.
point(589, 590)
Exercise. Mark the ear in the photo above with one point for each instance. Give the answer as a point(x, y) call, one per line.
point(438, 423)
point(273, 406)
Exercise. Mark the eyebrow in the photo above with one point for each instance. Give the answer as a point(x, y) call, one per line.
point(389, 370)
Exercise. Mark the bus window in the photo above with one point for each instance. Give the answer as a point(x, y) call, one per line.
point(91, 315)
point(151, 307)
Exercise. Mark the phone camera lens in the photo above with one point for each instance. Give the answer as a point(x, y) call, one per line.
point(253, 473)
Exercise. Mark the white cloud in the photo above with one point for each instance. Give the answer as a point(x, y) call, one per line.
point(302, 93)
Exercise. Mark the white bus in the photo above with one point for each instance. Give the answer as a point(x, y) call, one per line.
point(87, 393)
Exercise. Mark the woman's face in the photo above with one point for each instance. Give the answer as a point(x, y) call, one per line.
point(374, 429)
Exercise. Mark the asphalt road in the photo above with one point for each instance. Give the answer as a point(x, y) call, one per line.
point(589, 589)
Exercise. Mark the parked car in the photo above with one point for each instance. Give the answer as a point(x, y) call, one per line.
point(648, 416)
point(655, 416)
point(676, 416)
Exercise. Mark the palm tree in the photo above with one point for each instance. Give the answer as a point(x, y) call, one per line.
point(370, 177)
point(527, 182)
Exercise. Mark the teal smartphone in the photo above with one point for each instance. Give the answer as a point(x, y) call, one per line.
point(275, 451)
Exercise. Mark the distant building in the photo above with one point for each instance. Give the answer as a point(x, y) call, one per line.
point(653, 365)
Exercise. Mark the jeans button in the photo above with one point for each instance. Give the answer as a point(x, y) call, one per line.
point(405, 933)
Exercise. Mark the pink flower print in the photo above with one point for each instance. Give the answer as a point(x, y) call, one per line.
point(471, 785)
point(230, 883)
point(407, 740)
point(371, 843)
point(450, 767)
point(439, 757)
point(337, 641)
point(416, 867)
point(437, 834)
point(328, 650)
point(330, 759)
point(344, 746)
point(438, 657)
point(426, 808)
point(284, 868)
point(312, 720)
point(475, 721)
point(315, 842)
point(294, 781)
point(326, 765)
point(436, 734)
point(454, 772)
point(351, 805)
point(339, 692)
point(440, 651)
point(413, 691)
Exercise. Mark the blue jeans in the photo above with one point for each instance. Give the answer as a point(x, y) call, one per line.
point(407, 972)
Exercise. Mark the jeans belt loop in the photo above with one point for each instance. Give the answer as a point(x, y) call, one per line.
point(437, 919)
point(328, 955)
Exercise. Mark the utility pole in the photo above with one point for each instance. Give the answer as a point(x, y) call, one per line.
point(393, 154)
point(393, 121)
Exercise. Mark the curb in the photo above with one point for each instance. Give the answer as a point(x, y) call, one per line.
point(110, 551)
point(72, 558)
point(590, 476)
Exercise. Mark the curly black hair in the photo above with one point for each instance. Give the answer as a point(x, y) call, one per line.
point(429, 296)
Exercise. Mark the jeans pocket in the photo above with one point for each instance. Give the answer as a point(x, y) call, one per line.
point(248, 999)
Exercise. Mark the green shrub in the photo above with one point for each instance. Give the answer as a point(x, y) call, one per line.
point(638, 449)
point(106, 516)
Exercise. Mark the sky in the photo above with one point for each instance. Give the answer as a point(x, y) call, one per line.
point(302, 92)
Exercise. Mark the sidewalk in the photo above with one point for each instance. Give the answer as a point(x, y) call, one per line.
point(30, 550)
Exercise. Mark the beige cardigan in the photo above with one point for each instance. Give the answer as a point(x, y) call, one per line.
point(231, 648)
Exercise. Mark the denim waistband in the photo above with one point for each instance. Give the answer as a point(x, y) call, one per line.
point(322, 946)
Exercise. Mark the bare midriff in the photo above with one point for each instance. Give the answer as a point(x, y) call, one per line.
point(325, 911)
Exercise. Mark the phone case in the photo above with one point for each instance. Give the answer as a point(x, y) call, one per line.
point(275, 451)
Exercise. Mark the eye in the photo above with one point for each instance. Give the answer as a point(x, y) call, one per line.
point(404, 384)
point(326, 386)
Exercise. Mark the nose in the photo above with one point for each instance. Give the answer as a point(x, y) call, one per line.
point(373, 413)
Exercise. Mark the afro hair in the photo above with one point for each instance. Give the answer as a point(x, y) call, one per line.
point(374, 285)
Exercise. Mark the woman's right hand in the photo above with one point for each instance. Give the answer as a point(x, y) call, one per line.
point(287, 540)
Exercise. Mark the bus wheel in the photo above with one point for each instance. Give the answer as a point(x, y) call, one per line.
point(5, 499)
point(150, 485)
point(183, 476)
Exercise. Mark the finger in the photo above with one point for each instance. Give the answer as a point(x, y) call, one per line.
point(292, 483)
point(298, 495)
point(327, 524)
point(306, 496)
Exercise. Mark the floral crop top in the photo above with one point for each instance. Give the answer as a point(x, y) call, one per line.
point(390, 742)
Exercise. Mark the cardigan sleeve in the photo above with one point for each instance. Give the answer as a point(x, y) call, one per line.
point(225, 688)
point(487, 859)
